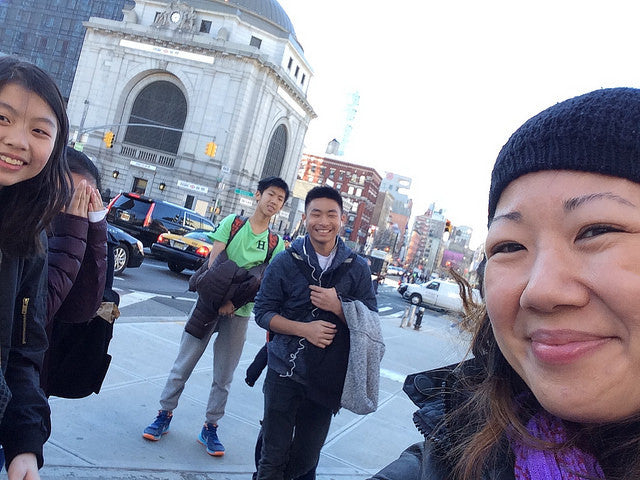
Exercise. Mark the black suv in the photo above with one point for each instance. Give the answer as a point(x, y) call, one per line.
point(146, 218)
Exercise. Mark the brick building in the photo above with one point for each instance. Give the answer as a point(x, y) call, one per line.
point(359, 186)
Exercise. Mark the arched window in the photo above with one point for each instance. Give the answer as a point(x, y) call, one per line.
point(275, 153)
point(160, 103)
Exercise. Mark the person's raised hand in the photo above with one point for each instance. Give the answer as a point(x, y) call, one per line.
point(79, 204)
point(95, 201)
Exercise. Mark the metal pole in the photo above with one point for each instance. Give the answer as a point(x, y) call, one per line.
point(84, 116)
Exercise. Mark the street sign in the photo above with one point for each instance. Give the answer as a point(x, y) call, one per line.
point(226, 169)
point(193, 186)
point(142, 165)
point(246, 193)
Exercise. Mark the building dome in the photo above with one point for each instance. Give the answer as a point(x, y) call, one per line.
point(267, 9)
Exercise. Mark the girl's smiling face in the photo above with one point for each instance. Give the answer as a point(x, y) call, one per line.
point(28, 131)
point(562, 288)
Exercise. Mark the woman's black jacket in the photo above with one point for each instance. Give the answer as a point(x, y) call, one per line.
point(436, 393)
point(26, 423)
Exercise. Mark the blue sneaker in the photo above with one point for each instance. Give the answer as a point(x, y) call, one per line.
point(209, 437)
point(159, 427)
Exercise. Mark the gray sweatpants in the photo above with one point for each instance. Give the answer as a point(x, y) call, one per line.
point(227, 350)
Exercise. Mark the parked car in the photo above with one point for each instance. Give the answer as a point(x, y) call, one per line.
point(437, 294)
point(146, 218)
point(128, 253)
point(393, 270)
point(183, 251)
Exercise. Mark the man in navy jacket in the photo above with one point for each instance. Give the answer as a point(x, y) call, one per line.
point(301, 301)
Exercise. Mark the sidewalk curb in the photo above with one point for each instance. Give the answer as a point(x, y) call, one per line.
point(55, 472)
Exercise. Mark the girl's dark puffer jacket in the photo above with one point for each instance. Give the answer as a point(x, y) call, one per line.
point(77, 268)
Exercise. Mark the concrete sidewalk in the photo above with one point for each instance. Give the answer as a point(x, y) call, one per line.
point(101, 436)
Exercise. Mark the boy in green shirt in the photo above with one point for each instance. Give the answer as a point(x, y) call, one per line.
point(248, 249)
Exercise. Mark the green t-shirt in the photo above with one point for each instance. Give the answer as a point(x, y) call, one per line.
point(246, 249)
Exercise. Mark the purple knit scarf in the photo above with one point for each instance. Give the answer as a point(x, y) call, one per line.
point(565, 464)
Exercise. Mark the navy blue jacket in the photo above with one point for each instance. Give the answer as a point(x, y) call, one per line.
point(285, 291)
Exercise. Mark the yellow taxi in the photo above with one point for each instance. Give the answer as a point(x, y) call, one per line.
point(183, 251)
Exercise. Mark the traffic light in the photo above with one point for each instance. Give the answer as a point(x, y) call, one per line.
point(211, 149)
point(447, 226)
point(108, 138)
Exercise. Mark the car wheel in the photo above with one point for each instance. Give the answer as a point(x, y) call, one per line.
point(121, 259)
point(415, 299)
point(174, 267)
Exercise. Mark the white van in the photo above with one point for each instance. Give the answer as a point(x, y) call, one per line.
point(437, 294)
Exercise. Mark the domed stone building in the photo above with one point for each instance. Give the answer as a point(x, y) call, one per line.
point(172, 78)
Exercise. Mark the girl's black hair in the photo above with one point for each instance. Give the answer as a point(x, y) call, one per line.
point(82, 165)
point(27, 208)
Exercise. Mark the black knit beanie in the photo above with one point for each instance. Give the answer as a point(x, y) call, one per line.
point(597, 132)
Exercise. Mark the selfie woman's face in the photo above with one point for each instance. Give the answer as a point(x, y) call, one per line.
point(28, 130)
point(562, 288)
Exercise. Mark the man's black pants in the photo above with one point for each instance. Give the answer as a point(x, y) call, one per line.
point(294, 429)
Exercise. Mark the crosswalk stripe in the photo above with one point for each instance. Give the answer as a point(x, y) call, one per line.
point(395, 376)
point(135, 297)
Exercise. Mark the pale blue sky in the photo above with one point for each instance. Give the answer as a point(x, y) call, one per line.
point(443, 84)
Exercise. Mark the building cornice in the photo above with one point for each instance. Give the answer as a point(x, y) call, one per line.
point(344, 163)
point(197, 44)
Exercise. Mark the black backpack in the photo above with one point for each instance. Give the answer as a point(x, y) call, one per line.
point(77, 357)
